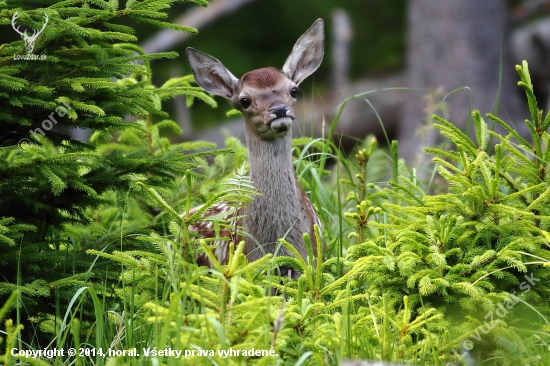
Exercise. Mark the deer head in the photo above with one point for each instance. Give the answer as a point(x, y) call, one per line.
point(264, 96)
point(29, 40)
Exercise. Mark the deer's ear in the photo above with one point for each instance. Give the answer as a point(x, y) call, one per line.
point(211, 75)
point(307, 54)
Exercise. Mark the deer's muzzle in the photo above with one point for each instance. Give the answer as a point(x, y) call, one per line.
point(280, 117)
point(279, 111)
point(281, 124)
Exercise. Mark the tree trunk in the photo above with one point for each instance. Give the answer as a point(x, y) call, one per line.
point(452, 45)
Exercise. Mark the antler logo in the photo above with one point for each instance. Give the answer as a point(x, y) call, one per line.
point(29, 40)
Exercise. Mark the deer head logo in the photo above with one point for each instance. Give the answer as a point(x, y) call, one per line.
point(29, 40)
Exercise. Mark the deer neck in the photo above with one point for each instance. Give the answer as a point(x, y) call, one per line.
point(271, 168)
point(277, 212)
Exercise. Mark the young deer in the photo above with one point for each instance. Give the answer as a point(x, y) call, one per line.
point(265, 97)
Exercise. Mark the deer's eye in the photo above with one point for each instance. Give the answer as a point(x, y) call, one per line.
point(294, 92)
point(245, 102)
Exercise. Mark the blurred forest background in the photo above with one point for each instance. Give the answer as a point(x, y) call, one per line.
point(409, 56)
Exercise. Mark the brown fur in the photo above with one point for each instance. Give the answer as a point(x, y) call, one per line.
point(262, 78)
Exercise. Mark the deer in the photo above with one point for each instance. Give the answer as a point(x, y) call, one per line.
point(265, 97)
point(29, 40)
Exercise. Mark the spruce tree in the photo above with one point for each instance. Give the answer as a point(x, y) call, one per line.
point(85, 71)
point(477, 250)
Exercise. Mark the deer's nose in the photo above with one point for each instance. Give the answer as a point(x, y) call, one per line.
point(279, 111)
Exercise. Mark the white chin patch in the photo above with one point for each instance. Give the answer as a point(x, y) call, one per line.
point(281, 124)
